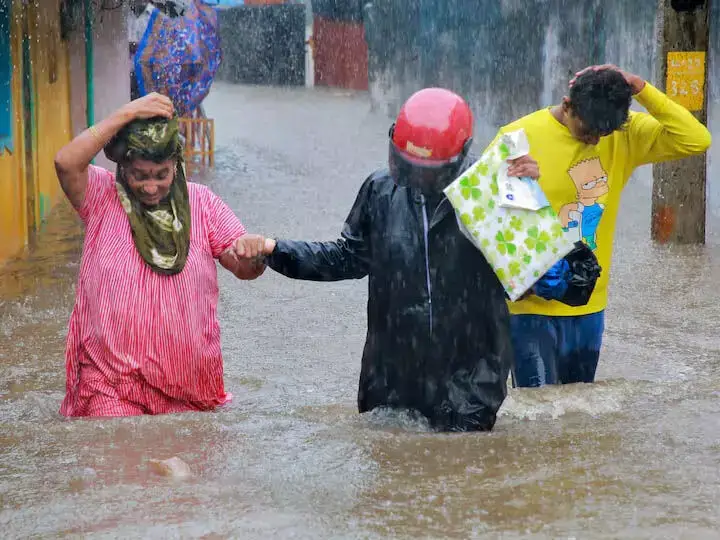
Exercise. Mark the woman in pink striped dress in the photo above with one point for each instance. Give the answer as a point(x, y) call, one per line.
point(144, 336)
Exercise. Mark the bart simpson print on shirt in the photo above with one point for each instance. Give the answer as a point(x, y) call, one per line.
point(583, 215)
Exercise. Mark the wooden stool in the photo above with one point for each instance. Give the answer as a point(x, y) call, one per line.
point(199, 133)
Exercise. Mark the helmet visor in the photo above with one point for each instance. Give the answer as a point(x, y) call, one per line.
point(429, 176)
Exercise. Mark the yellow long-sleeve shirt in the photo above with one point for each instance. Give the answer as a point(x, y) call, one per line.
point(583, 183)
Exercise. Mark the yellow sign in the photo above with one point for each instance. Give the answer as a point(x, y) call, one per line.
point(686, 79)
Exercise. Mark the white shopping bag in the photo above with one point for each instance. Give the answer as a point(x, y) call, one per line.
point(509, 219)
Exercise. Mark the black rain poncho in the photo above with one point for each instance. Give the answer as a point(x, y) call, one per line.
point(438, 336)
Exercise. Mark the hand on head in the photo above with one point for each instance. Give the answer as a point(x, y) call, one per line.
point(150, 106)
point(635, 82)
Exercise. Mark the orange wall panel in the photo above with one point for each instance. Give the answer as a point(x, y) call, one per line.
point(340, 54)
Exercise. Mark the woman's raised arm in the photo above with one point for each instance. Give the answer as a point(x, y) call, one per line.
point(73, 159)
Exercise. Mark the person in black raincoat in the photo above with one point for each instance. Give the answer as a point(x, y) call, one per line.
point(438, 339)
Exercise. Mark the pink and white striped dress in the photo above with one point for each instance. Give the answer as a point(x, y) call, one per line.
point(140, 342)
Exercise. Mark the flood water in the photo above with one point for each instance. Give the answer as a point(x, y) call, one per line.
point(636, 455)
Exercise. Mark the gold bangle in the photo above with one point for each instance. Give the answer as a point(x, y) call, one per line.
point(94, 132)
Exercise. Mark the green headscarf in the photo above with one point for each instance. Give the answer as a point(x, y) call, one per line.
point(161, 233)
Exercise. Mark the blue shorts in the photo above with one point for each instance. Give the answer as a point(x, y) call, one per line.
point(556, 350)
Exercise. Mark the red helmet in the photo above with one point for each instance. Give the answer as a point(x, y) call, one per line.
point(430, 139)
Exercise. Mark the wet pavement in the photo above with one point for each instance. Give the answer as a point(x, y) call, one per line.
point(634, 456)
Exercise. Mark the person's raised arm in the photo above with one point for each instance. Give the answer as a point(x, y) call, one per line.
point(73, 160)
point(668, 132)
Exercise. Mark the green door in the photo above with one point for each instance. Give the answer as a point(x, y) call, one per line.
point(28, 100)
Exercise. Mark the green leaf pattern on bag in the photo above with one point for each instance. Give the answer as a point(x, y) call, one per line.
point(520, 245)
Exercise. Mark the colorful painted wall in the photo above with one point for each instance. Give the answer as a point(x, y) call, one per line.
point(40, 109)
point(13, 210)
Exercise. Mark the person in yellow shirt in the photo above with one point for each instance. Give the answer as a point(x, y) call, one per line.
point(587, 147)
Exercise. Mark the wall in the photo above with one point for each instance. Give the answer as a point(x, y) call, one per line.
point(340, 51)
point(340, 54)
point(713, 187)
point(13, 211)
point(339, 10)
point(28, 185)
point(78, 96)
point(111, 61)
point(50, 64)
point(29, 188)
point(263, 44)
point(508, 57)
point(112, 66)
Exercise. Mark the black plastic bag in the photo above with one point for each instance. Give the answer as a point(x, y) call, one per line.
point(572, 280)
point(584, 272)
